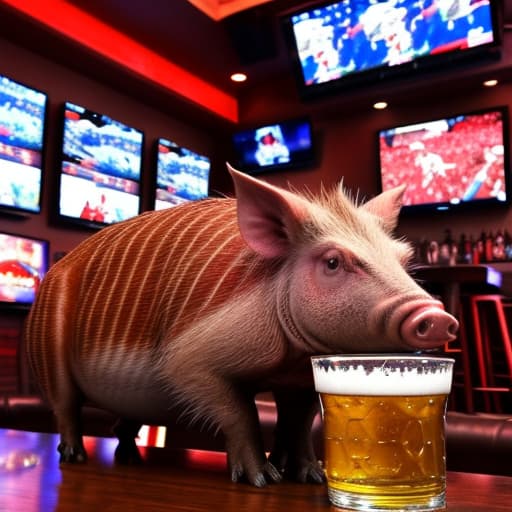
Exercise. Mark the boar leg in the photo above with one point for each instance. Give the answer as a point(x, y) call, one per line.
point(232, 410)
point(67, 408)
point(207, 380)
point(244, 445)
point(293, 450)
point(127, 451)
point(48, 338)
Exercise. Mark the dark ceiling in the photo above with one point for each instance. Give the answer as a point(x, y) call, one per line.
point(251, 40)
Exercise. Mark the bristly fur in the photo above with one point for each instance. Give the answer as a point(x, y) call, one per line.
point(335, 213)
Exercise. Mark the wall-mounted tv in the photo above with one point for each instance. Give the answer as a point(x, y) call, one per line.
point(22, 122)
point(99, 182)
point(448, 163)
point(351, 42)
point(23, 264)
point(275, 146)
point(181, 175)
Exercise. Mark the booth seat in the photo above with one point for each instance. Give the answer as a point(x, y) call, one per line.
point(475, 443)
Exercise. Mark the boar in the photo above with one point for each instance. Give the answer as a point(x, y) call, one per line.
point(191, 311)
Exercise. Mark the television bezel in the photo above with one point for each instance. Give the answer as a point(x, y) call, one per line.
point(292, 165)
point(474, 204)
point(67, 220)
point(18, 305)
point(155, 186)
point(437, 62)
point(19, 211)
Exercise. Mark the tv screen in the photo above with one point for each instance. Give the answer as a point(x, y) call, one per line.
point(22, 121)
point(23, 264)
point(350, 41)
point(287, 144)
point(100, 168)
point(182, 175)
point(449, 162)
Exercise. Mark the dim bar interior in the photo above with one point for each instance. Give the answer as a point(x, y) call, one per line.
point(110, 111)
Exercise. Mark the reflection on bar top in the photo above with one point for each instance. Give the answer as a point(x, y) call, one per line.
point(494, 277)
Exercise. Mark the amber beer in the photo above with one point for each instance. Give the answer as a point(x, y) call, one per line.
point(384, 430)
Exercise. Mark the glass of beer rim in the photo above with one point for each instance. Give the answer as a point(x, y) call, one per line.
point(384, 375)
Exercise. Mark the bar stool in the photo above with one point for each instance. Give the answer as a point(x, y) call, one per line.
point(460, 351)
point(493, 349)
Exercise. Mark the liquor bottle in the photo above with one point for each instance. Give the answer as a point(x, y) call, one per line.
point(476, 253)
point(488, 245)
point(498, 247)
point(508, 245)
point(465, 249)
point(433, 252)
point(446, 248)
point(480, 244)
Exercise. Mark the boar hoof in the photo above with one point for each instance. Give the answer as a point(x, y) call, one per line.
point(311, 472)
point(127, 452)
point(299, 468)
point(258, 478)
point(71, 453)
point(273, 473)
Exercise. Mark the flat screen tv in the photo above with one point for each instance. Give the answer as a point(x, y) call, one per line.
point(351, 42)
point(99, 181)
point(274, 146)
point(22, 123)
point(23, 264)
point(448, 163)
point(181, 175)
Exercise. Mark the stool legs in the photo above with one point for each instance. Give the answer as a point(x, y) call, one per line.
point(485, 347)
point(462, 371)
point(466, 367)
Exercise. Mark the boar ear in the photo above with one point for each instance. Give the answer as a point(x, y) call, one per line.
point(387, 206)
point(267, 216)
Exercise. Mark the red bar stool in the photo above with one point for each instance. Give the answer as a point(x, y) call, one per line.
point(493, 349)
point(461, 397)
point(463, 375)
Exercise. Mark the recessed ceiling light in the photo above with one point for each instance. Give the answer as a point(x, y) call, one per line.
point(380, 105)
point(239, 77)
point(491, 83)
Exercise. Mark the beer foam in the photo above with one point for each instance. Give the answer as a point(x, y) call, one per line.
point(382, 376)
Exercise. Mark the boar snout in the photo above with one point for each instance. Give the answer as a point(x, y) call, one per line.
point(428, 327)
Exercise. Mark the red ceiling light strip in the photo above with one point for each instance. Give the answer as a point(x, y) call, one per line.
point(116, 46)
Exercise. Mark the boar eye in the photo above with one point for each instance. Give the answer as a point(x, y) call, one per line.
point(332, 263)
point(335, 260)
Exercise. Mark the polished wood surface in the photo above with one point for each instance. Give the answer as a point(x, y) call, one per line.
point(188, 481)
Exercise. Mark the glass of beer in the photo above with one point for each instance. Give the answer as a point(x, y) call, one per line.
point(384, 419)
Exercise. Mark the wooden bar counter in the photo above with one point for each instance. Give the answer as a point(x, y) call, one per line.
point(188, 481)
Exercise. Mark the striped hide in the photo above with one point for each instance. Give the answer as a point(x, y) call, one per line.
point(125, 288)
